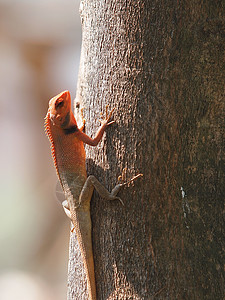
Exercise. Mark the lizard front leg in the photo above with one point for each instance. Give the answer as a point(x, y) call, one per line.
point(94, 141)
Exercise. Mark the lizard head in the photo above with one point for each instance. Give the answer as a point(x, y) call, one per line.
point(60, 110)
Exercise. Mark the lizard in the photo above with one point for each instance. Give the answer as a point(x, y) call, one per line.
point(67, 145)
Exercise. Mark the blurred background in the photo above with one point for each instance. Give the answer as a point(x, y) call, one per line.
point(39, 57)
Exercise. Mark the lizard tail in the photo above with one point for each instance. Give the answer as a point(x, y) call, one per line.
point(83, 232)
point(89, 266)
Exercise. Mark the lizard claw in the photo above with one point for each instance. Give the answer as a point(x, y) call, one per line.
point(122, 177)
point(107, 117)
point(121, 201)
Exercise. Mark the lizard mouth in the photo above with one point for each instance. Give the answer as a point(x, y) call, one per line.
point(64, 95)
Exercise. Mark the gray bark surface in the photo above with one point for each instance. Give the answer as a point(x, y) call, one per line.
point(161, 65)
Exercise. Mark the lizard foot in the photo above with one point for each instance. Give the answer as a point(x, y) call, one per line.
point(107, 117)
point(122, 178)
point(122, 182)
point(66, 208)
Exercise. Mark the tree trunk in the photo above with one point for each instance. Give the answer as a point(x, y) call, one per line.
point(160, 64)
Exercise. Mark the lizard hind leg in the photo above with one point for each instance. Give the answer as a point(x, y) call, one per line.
point(67, 211)
point(91, 183)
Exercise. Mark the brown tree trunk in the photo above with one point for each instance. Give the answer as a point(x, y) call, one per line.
point(161, 65)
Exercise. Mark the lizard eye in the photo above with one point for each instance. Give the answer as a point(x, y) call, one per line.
point(59, 103)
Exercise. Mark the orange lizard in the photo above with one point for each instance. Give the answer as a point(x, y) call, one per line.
point(67, 144)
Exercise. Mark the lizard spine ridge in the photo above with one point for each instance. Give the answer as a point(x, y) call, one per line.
point(49, 135)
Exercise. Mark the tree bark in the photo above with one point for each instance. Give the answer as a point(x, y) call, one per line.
point(161, 65)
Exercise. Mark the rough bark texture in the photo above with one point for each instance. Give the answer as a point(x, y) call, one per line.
point(161, 65)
